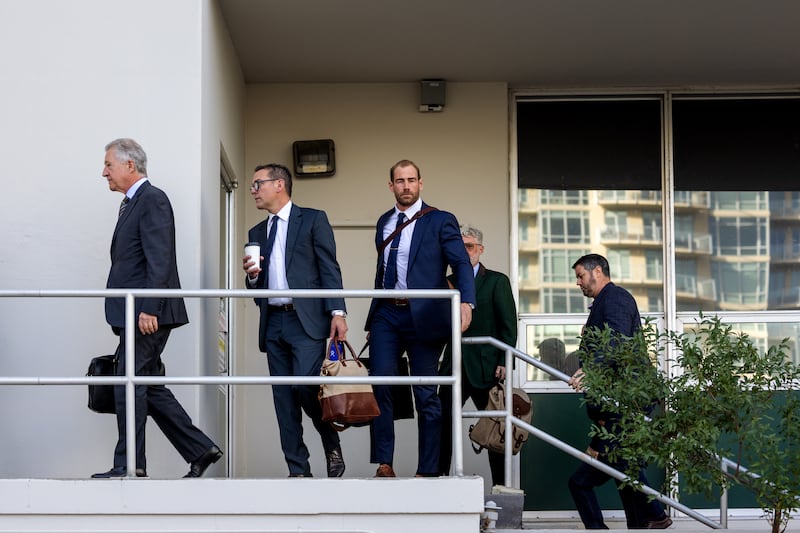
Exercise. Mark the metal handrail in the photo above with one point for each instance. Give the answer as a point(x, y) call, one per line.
point(561, 445)
point(130, 379)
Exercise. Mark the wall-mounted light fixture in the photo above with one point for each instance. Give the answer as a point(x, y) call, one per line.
point(431, 96)
point(314, 158)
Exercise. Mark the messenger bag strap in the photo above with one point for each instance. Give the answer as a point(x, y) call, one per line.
point(393, 234)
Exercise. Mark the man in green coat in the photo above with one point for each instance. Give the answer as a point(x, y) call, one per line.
point(483, 365)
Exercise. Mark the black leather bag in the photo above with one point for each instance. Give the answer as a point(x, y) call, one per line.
point(101, 397)
point(402, 395)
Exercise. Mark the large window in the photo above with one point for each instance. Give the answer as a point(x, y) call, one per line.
point(593, 167)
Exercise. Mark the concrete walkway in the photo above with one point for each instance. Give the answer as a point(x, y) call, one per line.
point(684, 525)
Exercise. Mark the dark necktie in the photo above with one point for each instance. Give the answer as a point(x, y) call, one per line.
point(123, 205)
point(390, 275)
point(273, 229)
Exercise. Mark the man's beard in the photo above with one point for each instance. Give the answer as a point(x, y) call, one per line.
point(405, 201)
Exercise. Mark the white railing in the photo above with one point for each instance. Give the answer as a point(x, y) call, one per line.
point(130, 379)
point(510, 420)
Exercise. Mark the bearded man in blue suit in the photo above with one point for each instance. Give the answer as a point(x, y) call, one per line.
point(417, 258)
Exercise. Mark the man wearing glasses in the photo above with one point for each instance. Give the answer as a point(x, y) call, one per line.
point(482, 365)
point(298, 251)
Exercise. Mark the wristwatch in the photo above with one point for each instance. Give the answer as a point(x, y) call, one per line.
point(339, 312)
point(471, 306)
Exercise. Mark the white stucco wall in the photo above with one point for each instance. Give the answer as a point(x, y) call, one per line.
point(222, 126)
point(463, 156)
point(76, 75)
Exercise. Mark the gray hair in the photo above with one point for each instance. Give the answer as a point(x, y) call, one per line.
point(129, 150)
point(471, 231)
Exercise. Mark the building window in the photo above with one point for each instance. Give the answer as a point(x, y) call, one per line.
point(565, 227)
point(654, 265)
point(739, 236)
point(619, 261)
point(563, 301)
point(741, 284)
point(557, 265)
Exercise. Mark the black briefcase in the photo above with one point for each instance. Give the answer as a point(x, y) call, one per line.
point(402, 395)
point(101, 397)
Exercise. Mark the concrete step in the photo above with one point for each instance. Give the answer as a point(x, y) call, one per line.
point(682, 524)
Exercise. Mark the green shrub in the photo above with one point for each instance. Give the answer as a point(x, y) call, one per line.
point(724, 399)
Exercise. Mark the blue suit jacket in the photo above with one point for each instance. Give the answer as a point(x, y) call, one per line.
point(310, 264)
point(143, 256)
point(616, 308)
point(435, 244)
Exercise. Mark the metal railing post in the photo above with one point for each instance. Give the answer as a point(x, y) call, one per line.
point(509, 423)
point(130, 390)
point(723, 499)
point(458, 440)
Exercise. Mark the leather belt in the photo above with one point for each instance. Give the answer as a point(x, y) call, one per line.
point(281, 308)
point(399, 302)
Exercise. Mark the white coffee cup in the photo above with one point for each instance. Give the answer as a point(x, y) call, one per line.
point(253, 249)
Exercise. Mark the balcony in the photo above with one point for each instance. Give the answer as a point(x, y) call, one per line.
point(693, 244)
point(611, 235)
point(629, 198)
point(692, 200)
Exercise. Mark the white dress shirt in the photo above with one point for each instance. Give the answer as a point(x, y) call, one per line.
point(276, 272)
point(405, 242)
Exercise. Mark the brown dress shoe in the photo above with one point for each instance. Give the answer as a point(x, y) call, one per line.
point(385, 470)
point(661, 523)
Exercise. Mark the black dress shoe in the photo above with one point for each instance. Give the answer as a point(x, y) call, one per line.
point(335, 462)
point(118, 471)
point(199, 466)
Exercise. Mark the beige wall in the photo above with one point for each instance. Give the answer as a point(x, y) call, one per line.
point(463, 154)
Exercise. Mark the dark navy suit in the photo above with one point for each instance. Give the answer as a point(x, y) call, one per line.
point(143, 256)
point(295, 341)
point(421, 329)
point(616, 308)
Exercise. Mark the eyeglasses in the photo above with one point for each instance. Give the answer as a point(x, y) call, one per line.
point(257, 184)
point(472, 245)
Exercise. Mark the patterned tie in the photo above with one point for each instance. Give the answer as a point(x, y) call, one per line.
point(273, 229)
point(390, 275)
point(123, 205)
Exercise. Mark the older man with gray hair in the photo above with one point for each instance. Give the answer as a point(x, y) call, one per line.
point(483, 365)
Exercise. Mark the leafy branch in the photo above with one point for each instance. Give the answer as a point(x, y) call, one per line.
point(725, 399)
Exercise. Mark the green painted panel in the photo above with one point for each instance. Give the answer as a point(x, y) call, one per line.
point(738, 496)
point(545, 469)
